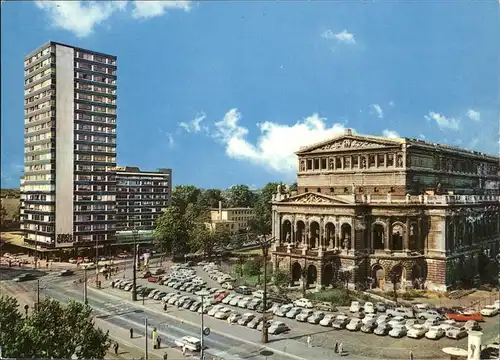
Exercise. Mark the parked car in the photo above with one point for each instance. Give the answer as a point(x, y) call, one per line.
point(243, 303)
point(283, 310)
point(316, 317)
point(380, 307)
point(234, 301)
point(325, 306)
point(398, 331)
point(244, 290)
point(252, 305)
point(259, 294)
point(304, 315)
point(246, 318)
point(456, 333)
point(327, 320)
point(66, 272)
point(252, 324)
point(398, 320)
point(222, 314)
point(416, 331)
point(340, 322)
point(369, 308)
point(430, 322)
point(472, 325)
point(489, 310)
point(369, 327)
point(234, 317)
point(421, 307)
point(434, 333)
point(382, 319)
point(304, 303)
point(293, 312)
point(355, 307)
point(214, 310)
point(24, 277)
point(429, 314)
point(278, 327)
point(382, 329)
point(354, 325)
point(448, 324)
point(465, 316)
point(407, 313)
point(369, 317)
point(261, 324)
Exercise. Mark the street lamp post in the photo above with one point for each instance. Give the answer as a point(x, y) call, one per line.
point(265, 243)
point(36, 246)
point(96, 262)
point(202, 295)
point(134, 278)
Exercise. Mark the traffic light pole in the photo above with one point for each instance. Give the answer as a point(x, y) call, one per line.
point(134, 271)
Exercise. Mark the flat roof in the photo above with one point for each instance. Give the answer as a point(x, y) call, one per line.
point(49, 43)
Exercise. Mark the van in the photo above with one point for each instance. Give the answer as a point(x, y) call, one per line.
point(404, 312)
point(190, 342)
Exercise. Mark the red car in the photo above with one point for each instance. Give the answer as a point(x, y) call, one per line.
point(465, 316)
point(153, 279)
point(219, 297)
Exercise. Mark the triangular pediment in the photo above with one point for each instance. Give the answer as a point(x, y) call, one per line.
point(351, 142)
point(314, 199)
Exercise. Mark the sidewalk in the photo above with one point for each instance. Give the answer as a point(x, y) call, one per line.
point(134, 348)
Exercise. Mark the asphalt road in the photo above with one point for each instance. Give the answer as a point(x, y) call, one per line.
point(125, 315)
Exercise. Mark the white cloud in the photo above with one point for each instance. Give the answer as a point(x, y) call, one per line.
point(378, 110)
point(443, 122)
point(390, 134)
point(149, 9)
point(474, 115)
point(421, 136)
point(195, 124)
point(170, 140)
point(81, 17)
point(343, 36)
point(276, 144)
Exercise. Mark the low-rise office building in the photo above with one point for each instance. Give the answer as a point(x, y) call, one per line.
point(234, 219)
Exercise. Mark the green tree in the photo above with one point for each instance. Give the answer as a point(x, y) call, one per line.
point(183, 195)
point(263, 207)
point(3, 213)
point(293, 187)
point(171, 231)
point(210, 198)
point(241, 196)
point(207, 240)
point(281, 278)
point(252, 267)
point(53, 331)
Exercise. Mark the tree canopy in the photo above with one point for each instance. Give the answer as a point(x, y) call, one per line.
point(53, 331)
point(241, 196)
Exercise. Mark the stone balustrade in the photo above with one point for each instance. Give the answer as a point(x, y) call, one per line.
point(429, 199)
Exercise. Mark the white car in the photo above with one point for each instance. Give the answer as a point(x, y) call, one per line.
point(355, 306)
point(430, 322)
point(227, 285)
point(489, 310)
point(448, 324)
point(153, 293)
point(283, 310)
point(398, 331)
point(383, 319)
point(259, 294)
point(304, 303)
point(327, 320)
point(354, 325)
point(456, 333)
point(214, 310)
point(417, 331)
point(369, 308)
point(316, 317)
point(434, 333)
point(234, 318)
point(228, 298)
point(222, 314)
point(234, 301)
point(277, 327)
point(398, 320)
point(304, 315)
point(243, 303)
point(246, 318)
point(369, 317)
point(189, 342)
point(293, 312)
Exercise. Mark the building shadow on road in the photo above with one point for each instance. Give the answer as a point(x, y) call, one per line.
point(9, 273)
point(303, 335)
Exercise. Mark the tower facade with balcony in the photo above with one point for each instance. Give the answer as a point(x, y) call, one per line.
point(68, 189)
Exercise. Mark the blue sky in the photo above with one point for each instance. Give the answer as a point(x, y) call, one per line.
point(225, 92)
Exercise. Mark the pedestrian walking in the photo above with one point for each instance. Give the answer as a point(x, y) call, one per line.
point(336, 348)
point(158, 342)
point(411, 355)
point(131, 333)
point(116, 346)
point(165, 356)
point(165, 306)
point(341, 348)
point(183, 349)
point(309, 340)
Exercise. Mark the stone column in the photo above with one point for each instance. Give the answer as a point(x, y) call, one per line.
point(353, 235)
point(376, 160)
point(387, 240)
point(321, 234)
point(294, 232)
point(385, 160)
point(334, 163)
point(406, 238)
point(418, 234)
point(342, 162)
point(359, 161)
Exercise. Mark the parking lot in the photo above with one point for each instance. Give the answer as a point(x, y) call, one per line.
point(179, 288)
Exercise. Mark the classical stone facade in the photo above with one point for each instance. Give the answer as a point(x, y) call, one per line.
point(374, 209)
